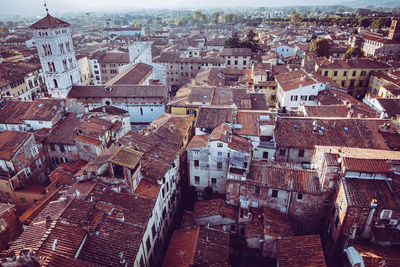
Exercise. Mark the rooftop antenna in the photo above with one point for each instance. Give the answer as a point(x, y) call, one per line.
point(45, 5)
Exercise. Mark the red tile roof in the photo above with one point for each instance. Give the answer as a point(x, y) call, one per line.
point(11, 142)
point(199, 246)
point(300, 251)
point(366, 165)
point(198, 141)
point(360, 192)
point(285, 176)
point(49, 22)
point(214, 207)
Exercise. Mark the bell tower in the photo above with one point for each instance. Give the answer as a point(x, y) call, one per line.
point(394, 32)
point(53, 42)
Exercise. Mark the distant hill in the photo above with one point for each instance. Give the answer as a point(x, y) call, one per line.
point(375, 3)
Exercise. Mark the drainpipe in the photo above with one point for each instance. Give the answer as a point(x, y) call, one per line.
point(288, 204)
point(366, 234)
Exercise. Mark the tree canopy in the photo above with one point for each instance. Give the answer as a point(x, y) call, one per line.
point(322, 47)
point(249, 41)
point(354, 51)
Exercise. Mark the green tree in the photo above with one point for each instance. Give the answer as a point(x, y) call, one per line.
point(250, 41)
point(381, 23)
point(322, 47)
point(179, 22)
point(232, 42)
point(354, 52)
point(215, 17)
point(296, 19)
point(365, 22)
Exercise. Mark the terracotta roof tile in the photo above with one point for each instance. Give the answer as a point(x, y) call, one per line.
point(366, 165)
point(277, 224)
point(49, 22)
point(212, 207)
point(11, 142)
point(301, 251)
point(211, 116)
point(284, 176)
point(360, 192)
point(198, 141)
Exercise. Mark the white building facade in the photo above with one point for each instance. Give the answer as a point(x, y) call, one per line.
point(57, 55)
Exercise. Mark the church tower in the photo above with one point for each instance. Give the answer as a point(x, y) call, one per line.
point(57, 55)
point(394, 32)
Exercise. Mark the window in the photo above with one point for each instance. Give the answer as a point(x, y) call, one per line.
point(62, 149)
point(229, 62)
point(34, 151)
point(343, 82)
point(219, 145)
point(265, 155)
point(326, 73)
point(196, 163)
point(219, 154)
point(293, 98)
point(345, 73)
point(55, 83)
point(214, 181)
point(197, 180)
point(354, 73)
point(153, 230)
point(148, 244)
point(257, 190)
point(27, 171)
point(303, 98)
point(301, 153)
point(335, 73)
point(311, 98)
point(363, 73)
point(219, 165)
point(299, 196)
point(274, 193)
point(3, 225)
point(282, 152)
point(244, 62)
point(236, 62)
point(386, 214)
point(38, 163)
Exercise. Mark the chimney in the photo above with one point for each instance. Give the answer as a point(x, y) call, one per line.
point(350, 113)
point(366, 234)
point(385, 127)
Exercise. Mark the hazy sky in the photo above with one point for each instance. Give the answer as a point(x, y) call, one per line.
point(35, 7)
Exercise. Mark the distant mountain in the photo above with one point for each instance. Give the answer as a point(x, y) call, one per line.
point(375, 3)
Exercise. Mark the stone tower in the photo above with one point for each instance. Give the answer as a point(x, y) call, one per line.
point(57, 55)
point(394, 32)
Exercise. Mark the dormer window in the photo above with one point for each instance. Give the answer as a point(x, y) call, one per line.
point(386, 214)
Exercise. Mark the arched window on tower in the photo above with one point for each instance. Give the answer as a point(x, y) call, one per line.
point(52, 64)
point(64, 64)
point(70, 62)
point(30, 84)
point(61, 47)
point(72, 82)
point(55, 83)
point(50, 68)
point(44, 50)
point(67, 46)
point(49, 50)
